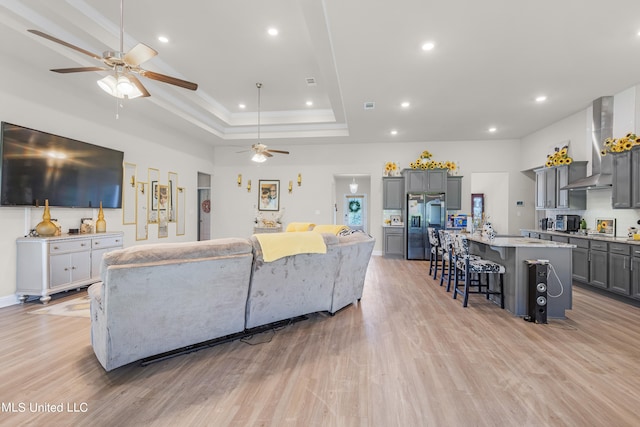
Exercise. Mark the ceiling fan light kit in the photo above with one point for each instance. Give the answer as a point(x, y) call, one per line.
point(121, 82)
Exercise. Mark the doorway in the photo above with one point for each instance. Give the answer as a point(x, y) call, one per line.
point(355, 211)
point(204, 206)
point(351, 201)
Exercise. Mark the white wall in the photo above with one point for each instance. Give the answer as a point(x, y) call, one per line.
point(313, 201)
point(186, 160)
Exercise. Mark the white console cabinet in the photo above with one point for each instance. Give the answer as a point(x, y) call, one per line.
point(47, 265)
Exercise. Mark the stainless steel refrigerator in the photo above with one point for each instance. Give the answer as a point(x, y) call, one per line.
point(423, 210)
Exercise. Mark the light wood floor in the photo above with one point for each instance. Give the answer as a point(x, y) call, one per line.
point(408, 355)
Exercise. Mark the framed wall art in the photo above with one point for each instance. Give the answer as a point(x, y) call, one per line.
point(129, 194)
point(269, 195)
point(173, 186)
point(606, 226)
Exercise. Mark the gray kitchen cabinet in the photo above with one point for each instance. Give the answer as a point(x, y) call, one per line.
point(425, 181)
point(620, 268)
point(454, 193)
point(635, 272)
point(549, 182)
point(546, 188)
point(580, 259)
point(570, 199)
point(393, 193)
point(621, 191)
point(393, 241)
point(635, 177)
point(598, 263)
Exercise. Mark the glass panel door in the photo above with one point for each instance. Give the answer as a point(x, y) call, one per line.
point(355, 212)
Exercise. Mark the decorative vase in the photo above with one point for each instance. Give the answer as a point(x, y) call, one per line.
point(101, 224)
point(46, 228)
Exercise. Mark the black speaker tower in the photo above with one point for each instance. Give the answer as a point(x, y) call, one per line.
point(538, 299)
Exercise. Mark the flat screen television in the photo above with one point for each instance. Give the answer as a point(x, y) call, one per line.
point(38, 165)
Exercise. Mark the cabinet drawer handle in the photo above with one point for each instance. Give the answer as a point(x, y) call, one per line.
point(73, 268)
point(83, 244)
point(56, 248)
point(97, 243)
point(66, 269)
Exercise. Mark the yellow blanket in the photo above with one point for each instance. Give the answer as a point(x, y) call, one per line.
point(279, 245)
point(330, 228)
point(300, 226)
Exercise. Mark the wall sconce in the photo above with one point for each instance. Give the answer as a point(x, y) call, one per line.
point(239, 180)
point(249, 186)
point(133, 181)
point(290, 187)
point(299, 179)
point(141, 188)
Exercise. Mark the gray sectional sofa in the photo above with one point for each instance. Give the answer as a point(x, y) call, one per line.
point(160, 297)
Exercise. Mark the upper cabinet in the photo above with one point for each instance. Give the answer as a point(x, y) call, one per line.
point(454, 193)
point(549, 182)
point(626, 179)
point(393, 193)
point(425, 181)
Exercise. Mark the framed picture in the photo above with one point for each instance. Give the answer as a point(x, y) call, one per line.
point(606, 226)
point(269, 195)
point(396, 220)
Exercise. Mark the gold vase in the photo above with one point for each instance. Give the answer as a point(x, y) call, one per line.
point(46, 228)
point(101, 224)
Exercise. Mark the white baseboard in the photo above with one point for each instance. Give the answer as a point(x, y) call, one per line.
point(9, 300)
point(376, 253)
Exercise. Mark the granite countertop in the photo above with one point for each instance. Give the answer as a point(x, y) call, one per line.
point(588, 236)
point(519, 242)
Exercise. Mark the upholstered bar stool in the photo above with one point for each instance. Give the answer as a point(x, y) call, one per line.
point(478, 267)
point(435, 254)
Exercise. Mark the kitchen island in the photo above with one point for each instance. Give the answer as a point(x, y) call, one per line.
point(512, 252)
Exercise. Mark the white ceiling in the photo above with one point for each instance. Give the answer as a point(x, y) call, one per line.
point(492, 58)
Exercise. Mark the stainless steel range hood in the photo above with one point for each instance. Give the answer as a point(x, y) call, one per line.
point(601, 166)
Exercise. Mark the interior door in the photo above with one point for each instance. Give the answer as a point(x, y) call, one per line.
point(355, 211)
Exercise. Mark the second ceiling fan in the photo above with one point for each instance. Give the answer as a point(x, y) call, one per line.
point(261, 151)
point(122, 83)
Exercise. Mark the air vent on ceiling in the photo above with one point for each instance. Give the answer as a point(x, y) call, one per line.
point(311, 81)
point(369, 105)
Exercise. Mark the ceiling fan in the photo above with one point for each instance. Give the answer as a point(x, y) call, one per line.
point(122, 83)
point(261, 151)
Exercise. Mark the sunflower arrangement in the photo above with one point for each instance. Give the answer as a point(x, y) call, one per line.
point(626, 143)
point(559, 157)
point(391, 169)
point(424, 162)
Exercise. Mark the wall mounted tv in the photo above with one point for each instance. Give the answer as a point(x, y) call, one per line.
point(38, 165)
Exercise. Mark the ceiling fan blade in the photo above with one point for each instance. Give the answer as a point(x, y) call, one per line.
point(267, 153)
point(279, 151)
point(167, 79)
point(79, 69)
point(63, 43)
point(139, 54)
point(139, 85)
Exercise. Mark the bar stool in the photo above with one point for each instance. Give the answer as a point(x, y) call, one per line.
point(446, 243)
point(468, 265)
point(435, 254)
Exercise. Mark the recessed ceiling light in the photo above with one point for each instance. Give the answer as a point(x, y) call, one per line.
point(405, 104)
point(242, 106)
point(163, 39)
point(309, 103)
point(493, 129)
point(541, 98)
point(428, 46)
point(272, 31)
point(394, 132)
